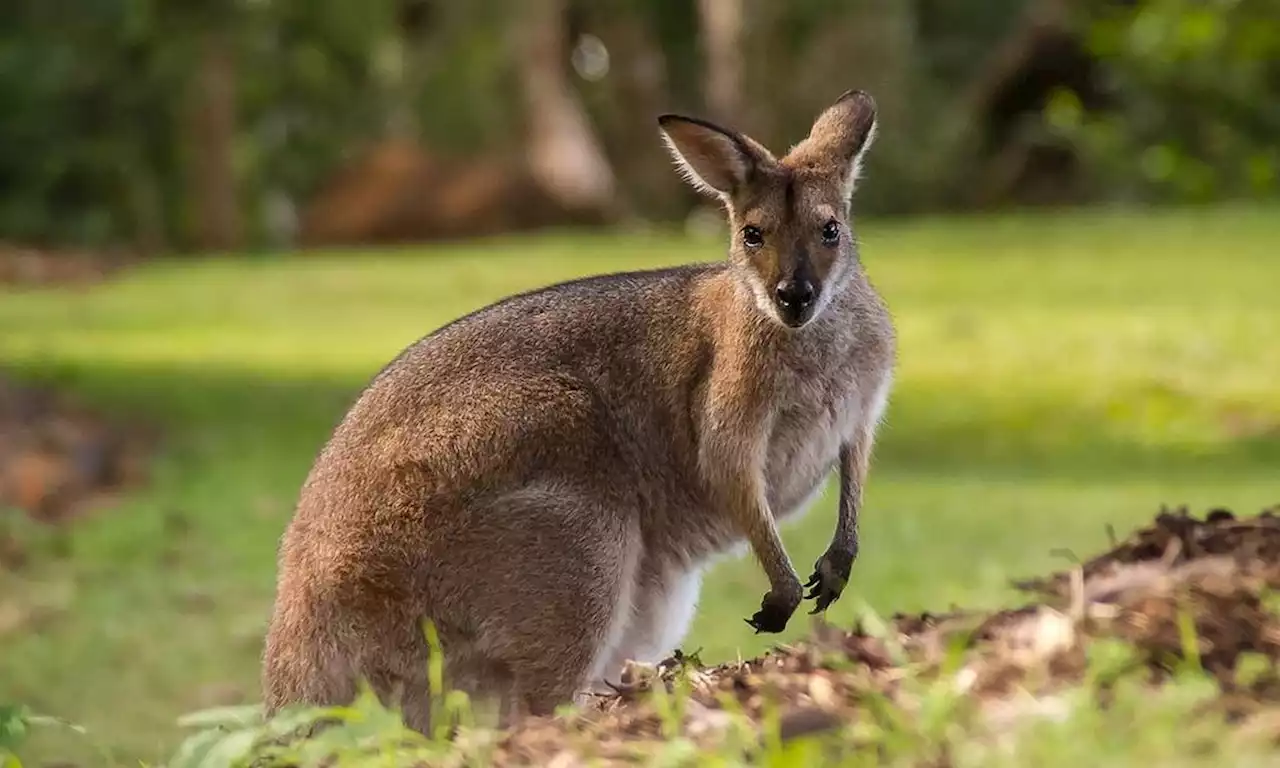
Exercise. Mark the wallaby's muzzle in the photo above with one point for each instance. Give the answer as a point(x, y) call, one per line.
point(796, 295)
point(795, 301)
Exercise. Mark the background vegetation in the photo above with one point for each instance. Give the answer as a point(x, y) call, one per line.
point(216, 125)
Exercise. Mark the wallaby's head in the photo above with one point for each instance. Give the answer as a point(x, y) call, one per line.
point(789, 218)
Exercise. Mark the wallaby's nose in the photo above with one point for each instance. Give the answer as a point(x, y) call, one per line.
point(794, 295)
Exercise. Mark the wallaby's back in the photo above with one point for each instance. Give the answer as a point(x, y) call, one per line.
point(627, 350)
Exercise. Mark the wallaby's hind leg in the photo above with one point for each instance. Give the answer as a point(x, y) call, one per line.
point(303, 661)
point(665, 600)
point(550, 599)
point(490, 686)
point(386, 649)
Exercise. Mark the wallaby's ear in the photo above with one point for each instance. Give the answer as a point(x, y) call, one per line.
point(841, 137)
point(713, 160)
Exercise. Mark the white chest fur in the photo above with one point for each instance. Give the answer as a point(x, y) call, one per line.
point(805, 442)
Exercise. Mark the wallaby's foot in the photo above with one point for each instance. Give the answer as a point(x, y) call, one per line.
point(775, 611)
point(830, 575)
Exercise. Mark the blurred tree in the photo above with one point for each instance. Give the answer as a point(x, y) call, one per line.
point(1194, 99)
point(210, 125)
point(626, 75)
point(76, 161)
point(318, 86)
point(168, 126)
point(562, 148)
point(209, 132)
point(404, 56)
point(721, 26)
point(1004, 152)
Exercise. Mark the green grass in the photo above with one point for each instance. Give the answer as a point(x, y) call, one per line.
point(1057, 374)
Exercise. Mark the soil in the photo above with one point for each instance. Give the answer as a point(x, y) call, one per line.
point(1216, 570)
point(58, 458)
point(397, 192)
point(28, 266)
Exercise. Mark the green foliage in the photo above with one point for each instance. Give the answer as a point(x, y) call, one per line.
point(16, 725)
point(93, 146)
point(13, 730)
point(97, 146)
point(365, 733)
point(310, 90)
point(73, 153)
point(1195, 92)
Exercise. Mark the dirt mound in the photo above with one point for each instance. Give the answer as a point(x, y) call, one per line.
point(57, 457)
point(1181, 588)
point(396, 192)
point(29, 266)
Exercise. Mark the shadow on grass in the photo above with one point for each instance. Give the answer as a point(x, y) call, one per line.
point(929, 430)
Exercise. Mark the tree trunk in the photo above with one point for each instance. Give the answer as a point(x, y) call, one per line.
point(624, 104)
point(721, 22)
point(211, 133)
point(402, 63)
point(869, 45)
point(563, 153)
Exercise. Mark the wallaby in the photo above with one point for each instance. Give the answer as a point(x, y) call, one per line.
point(545, 479)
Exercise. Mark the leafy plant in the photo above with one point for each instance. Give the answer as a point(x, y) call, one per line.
point(1193, 92)
point(16, 724)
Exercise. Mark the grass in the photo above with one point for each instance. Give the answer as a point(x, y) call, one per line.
point(1058, 373)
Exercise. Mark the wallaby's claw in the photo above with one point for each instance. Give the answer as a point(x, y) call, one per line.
point(766, 621)
point(830, 575)
point(773, 614)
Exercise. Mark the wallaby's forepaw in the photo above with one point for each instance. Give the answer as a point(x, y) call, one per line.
point(830, 575)
point(775, 611)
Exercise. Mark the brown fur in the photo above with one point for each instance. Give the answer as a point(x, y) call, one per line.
point(545, 479)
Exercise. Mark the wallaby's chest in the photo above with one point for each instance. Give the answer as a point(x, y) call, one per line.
point(815, 414)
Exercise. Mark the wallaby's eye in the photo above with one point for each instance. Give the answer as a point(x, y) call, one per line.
point(831, 232)
point(752, 237)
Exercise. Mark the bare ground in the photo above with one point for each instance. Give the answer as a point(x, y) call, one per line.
point(28, 266)
point(1213, 574)
point(59, 458)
